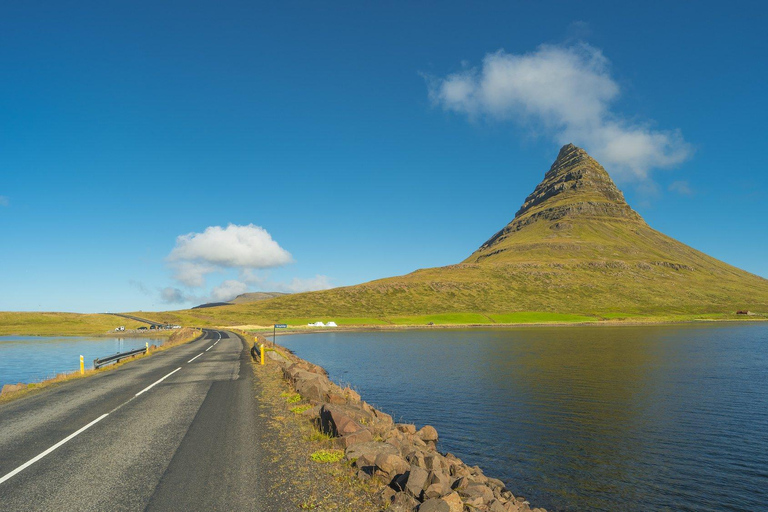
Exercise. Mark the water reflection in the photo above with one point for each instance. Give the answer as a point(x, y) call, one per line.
point(629, 418)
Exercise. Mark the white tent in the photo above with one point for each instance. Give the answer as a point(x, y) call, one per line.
point(331, 324)
point(317, 324)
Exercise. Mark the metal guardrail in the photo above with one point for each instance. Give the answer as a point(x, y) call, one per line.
point(98, 363)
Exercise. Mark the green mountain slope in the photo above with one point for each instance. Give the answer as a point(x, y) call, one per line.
point(574, 251)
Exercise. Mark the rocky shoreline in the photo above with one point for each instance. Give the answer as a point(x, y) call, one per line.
point(412, 473)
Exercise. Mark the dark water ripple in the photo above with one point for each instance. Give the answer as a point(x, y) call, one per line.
point(603, 418)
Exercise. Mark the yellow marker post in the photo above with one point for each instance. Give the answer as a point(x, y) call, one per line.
point(262, 353)
point(82, 366)
point(146, 344)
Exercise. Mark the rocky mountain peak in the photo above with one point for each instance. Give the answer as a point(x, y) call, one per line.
point(575, 189)
point(574, 173)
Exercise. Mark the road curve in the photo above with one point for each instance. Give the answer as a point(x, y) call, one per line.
point(174, 431)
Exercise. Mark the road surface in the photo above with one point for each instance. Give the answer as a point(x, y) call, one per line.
point(175, 431)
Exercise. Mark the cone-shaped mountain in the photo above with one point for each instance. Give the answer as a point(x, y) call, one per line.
point(575, 246)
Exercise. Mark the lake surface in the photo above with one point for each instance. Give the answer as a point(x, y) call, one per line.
point(35, 358)
point(579, 418)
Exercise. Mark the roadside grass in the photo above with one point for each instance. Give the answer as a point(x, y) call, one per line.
point(327, 456)
point(290, 442)
point(61, 324)
point(179, 337)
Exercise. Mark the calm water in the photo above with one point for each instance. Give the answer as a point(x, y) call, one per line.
point(35, 358)
point(586, 418)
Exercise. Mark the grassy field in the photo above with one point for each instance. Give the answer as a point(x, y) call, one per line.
point(49, 324)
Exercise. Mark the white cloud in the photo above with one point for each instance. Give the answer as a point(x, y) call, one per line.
point(215, 249)
point(5, 201)
point(228, 290)
point(681, 187)
point(567, 91)
point(171, 295)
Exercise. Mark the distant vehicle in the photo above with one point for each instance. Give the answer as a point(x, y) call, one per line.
point(153, 326)
point(142, 328)
point(121, 328)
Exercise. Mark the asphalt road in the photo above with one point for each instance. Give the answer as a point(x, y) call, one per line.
point(174, 431)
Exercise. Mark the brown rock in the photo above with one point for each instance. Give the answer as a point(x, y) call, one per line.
point(478, 491)
point(417, 481)
point(434, 462)
point(434, 505)
point(496, 506)
point(403, 503)
point(339, 420)
point(312, 386)
point(428, 433)
point(391, 465)
point(406, 428)
point(454, 502)
point(370, 450)
point(360, 436)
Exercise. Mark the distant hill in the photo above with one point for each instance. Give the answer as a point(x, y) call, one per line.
point(243, 298)
point(575, 250)
point(255, 297)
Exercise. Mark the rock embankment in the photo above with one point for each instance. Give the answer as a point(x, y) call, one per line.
point(414, 475)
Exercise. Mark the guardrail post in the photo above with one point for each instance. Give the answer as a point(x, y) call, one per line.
point(82, 366)
point(262, 353)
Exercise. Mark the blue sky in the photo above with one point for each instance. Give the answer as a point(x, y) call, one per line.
point(329, 137)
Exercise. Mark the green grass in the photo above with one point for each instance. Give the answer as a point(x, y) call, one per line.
point(302, 321)
point(293, 399)
point(301, 408)
point(532, 317)
point(442, 319)
point(327, 456)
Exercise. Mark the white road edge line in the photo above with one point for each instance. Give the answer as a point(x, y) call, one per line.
point(52, 448)
point(198, 355)
point(209, 348)
point(156, 383)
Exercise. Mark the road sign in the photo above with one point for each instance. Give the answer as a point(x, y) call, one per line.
point(281, 326)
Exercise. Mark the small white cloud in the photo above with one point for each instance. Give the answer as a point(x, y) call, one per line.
point(228, 290)
point(681, 187)
point(567, 91)
point(215, 249)
point(171, 295)
point(5, 201)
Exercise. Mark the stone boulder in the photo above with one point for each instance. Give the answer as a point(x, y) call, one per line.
point(389, 466)
point(365, 454)
point(361, 436)
point(312, 386)
point(434, 505)
point(417, 482)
